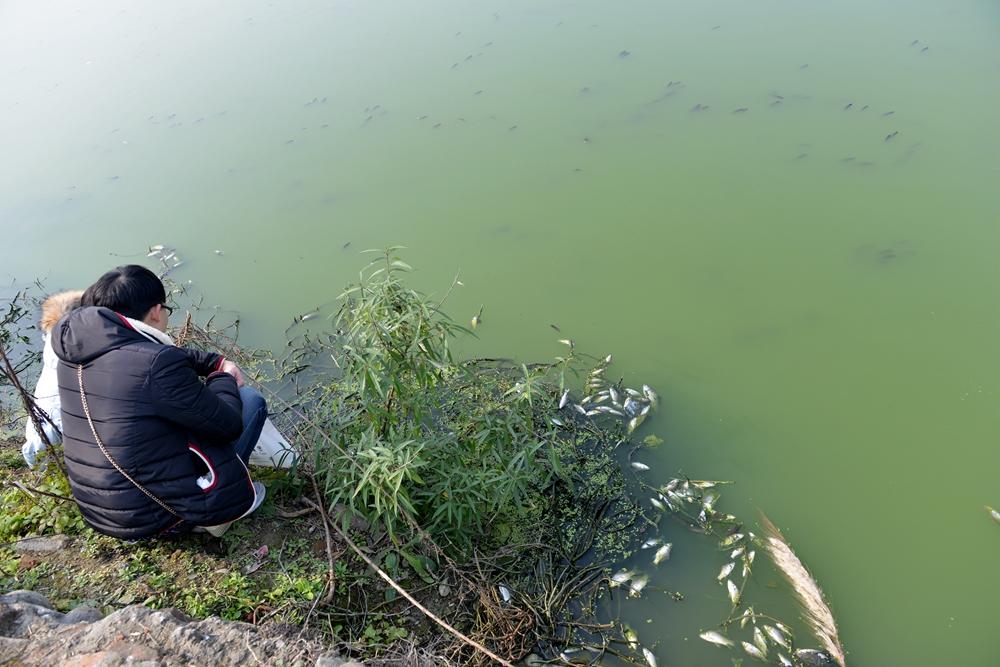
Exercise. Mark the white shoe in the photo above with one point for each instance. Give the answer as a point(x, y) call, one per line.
point(218, 531)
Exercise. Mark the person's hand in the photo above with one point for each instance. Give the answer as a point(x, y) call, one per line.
point(234, 370)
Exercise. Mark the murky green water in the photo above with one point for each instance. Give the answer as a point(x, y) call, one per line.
point(816, 304)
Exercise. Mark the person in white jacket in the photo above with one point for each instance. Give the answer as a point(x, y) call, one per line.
point(272, 449)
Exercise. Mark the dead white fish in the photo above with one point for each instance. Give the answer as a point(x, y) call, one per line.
point(168, 257)
point(753, 651)
point(218, 252)
point(632, 392)
point(726, 570)
point(564, 399)
point(557, 421)
point(713, 637)
point(600, 398)
point(607, 360)
point(505, 593)
point(759, 640)
point(734, 592)
point(615, 396)
point(622, 576)
point(662, 554)
point(655, 502)
point(785, 662)
point(638, 583)
point(565, 341)
point(632, 638)
point(651, 542)
point(634, 423)
point(731, 540)
point(580, 409)
point(477, 319)
point(993, 513)
point(650, 658)
point(155, 248)
point(747, 616)
point(592, 413)
point(777, 636)
point(636, 465)
point(177, 264)
point(650, 395)
point(736, 553)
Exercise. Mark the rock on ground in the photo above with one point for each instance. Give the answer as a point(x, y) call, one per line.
point(33, 634)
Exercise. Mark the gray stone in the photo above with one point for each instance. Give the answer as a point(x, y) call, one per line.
point(41, 545)
point(83, 614)
point(32, 635)
point(28, 597)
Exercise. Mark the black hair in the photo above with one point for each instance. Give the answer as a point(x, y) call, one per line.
point(130, 290)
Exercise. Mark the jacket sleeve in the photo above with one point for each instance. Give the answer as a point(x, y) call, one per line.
point(204, 363)
point(211, 409)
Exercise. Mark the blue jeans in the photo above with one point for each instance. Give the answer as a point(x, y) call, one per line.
point(254, 415)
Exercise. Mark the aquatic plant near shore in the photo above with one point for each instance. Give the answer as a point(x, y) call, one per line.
point(817, 613)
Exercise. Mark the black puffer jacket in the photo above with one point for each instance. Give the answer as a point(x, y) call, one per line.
point(161, 422)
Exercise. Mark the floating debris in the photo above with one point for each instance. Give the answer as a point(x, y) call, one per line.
point(218, 252)
point(892, 135)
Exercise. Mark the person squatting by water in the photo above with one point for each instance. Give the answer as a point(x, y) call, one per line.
point(157, 438)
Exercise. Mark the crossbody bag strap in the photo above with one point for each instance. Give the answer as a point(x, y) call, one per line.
point(104, 450)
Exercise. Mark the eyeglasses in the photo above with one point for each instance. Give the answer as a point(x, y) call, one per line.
point(170, 311)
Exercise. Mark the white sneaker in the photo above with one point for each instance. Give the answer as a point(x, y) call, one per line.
point(218, 531)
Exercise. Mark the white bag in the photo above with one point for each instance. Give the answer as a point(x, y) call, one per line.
point(272, 449)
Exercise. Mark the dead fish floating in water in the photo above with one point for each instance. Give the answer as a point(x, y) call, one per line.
point(477, 319)
point(641, 467)
point(564, 399)
point(741, 110)
point(713, 637)
point(624, 54)
point(993, 513)
point(753, 651)
point(697, 108)
point(892, 135)
point(650, 658)
point(662, 554)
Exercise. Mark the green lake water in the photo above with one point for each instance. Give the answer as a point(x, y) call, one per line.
point(815, 303)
